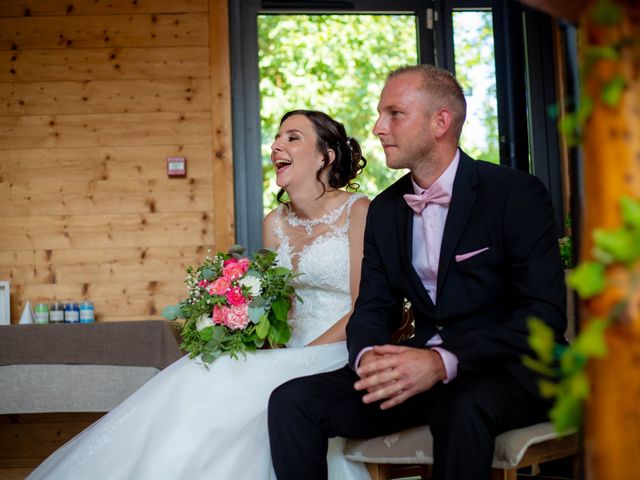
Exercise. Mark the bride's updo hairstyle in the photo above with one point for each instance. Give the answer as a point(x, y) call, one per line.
point(348, 162)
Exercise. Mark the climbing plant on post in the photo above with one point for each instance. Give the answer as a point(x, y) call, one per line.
point(607, 124)
point(610, 59)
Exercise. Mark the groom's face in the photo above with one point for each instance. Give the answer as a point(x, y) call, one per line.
point(403, 124)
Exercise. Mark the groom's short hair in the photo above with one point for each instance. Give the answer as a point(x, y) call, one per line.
point(443, 89)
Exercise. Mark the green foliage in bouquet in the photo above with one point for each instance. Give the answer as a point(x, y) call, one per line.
point(234, 305)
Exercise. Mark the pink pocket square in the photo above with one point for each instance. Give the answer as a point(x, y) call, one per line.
point(466, 256)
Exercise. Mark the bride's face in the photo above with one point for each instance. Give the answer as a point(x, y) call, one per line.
point(294, 154)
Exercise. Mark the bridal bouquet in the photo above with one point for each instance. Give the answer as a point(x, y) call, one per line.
point(235, 304)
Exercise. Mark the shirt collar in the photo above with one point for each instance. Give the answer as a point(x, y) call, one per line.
point(445, 180)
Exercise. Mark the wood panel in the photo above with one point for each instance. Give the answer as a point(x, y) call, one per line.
point(104, 31)
point(104, 129)
point(28, 8)
point(106, 231)
point(100, 96)
point(94, 96)
point(105, 265)
point(99, 163)
point(110, 196)
point(103, 64)
point(27, 439)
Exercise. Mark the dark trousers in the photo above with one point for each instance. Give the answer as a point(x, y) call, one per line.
point(464, 416)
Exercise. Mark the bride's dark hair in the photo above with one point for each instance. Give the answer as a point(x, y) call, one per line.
point(348, 162)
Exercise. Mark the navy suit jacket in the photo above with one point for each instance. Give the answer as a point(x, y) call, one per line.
point(482, 303)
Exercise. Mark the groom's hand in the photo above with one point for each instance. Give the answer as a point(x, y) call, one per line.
point(391, 373)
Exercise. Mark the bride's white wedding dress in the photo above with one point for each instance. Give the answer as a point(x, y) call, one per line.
point(190, 422)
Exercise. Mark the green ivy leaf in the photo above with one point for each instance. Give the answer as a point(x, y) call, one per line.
point(600, 52)
point(605, 12)
point(612, 91)
point(630, 211)
point(547, 389)
point(541, 339)
point(578, 385)
point(584, 109)
point(587, 279)
point(566, 413)
point(538, 366)
point(621, 244)
point(571, 361)
point(591, 342)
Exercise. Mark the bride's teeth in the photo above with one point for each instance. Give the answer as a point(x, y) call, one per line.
point(282, 163)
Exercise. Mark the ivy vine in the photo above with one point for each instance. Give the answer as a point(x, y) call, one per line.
point(564, 366)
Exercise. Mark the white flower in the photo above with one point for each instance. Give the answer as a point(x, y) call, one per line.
point(253, 284)
point(203, 322)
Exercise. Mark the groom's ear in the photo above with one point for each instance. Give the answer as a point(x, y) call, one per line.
point(442, 120)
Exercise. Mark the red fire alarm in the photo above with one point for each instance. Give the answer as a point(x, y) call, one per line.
point(176, 166)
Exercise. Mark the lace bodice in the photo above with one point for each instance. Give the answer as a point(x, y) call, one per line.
point(320, 257)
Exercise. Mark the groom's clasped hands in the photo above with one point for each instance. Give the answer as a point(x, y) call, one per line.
point(393, 373)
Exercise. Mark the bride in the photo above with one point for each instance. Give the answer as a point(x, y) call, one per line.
point(189, 422)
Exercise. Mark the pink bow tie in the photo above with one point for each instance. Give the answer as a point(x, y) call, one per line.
point(434, 194)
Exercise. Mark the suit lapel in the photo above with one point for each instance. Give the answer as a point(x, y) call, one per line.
point(404, 223)
point(463, 197)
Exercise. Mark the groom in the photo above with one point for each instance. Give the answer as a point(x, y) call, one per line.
point(473, 247)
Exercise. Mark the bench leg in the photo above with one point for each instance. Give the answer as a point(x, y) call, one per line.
point(378, 471)
point(499, 474)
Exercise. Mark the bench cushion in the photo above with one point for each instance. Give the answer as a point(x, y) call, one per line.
point(415, 446)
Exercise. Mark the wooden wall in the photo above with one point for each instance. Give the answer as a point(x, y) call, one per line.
point(94, 96)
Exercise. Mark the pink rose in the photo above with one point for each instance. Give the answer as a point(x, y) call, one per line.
point(203, 283)
point(235, 296)
point(245, 263)
point(220, 315)
point(220, 286)
point(238, 317)
point(235, 270)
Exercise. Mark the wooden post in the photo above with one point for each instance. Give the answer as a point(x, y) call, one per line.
point(612, 169)
point(221, 140)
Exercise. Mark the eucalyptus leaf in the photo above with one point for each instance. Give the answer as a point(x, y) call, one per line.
point(256, 313)
point(208, 273)
point(236, 250)
point(172, 312)
point(257, 302)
